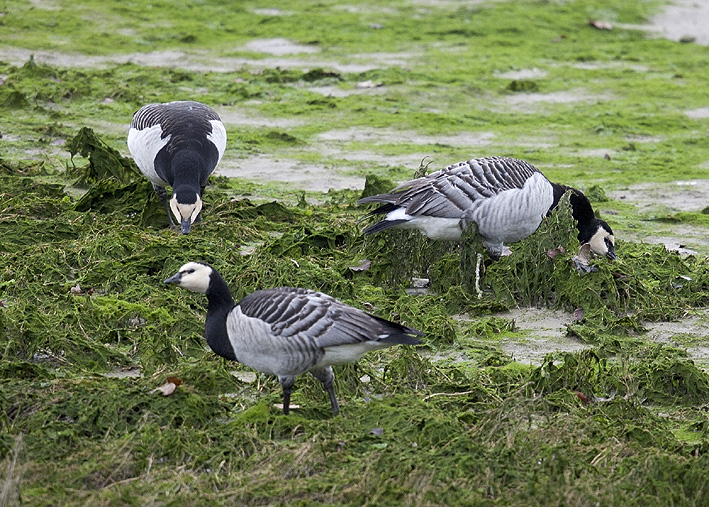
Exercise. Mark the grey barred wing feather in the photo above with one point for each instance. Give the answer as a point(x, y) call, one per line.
point(292, 312)
point(452, 191)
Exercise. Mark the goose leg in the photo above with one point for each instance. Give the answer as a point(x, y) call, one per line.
point(477, 275)
point(287, 385)
point(162, 194)
point(327, 378)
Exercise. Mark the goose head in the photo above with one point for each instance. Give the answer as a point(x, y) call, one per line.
point(601, 240)
point(193, 276)
point(186, 206)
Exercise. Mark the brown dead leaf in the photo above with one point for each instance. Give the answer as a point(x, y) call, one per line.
point(168, 387)
point(581, 396)
point(556, 251)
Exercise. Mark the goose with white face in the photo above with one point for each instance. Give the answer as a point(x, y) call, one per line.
point(178, 144)
point(288, 331)
point(504, 199)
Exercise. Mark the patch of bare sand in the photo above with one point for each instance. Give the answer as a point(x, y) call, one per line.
point(279, 47)
point(683, 20)
point(231, 115)
point(692, 195)
point(273, 11)
point(336, 91)
point(411, 160)
point(379, 136)
point(531, 103)
point(690, 333)
point(680, 20)
point(608, 65)
point(545, 332)
point(684, 239)
point(202, 61)
point(302, 176)
point(47, 5)
point(533, 73)
point(698, 114)
point(664, 199)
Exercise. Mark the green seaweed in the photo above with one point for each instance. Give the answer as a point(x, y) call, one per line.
point(88, 330)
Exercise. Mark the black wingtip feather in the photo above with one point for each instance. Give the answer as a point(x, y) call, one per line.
point(398, 334)
point(380, 226)
point(383, 209)
point(403, 339)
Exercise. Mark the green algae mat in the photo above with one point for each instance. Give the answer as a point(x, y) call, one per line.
point(353, 97)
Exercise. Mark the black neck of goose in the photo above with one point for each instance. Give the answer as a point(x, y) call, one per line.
point(581, 210)
point(220, 304)
point(187, 169)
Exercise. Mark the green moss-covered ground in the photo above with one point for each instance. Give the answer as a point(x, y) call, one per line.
point(88, 330)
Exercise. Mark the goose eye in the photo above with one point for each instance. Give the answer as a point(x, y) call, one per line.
point(190, 270)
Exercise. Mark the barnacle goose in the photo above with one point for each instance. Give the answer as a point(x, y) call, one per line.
point(178, 144)
point(287, 331)
point(504, 198)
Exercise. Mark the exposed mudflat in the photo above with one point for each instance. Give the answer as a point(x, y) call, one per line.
point(691, 195)
point(690, 333)
point(545, 331)
point(297, 175)
point(316, 98)
point(683, 21)
point(202, 61)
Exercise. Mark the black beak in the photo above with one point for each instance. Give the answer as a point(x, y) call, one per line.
point(174, 278)
point(611, 253)
point(185, 225)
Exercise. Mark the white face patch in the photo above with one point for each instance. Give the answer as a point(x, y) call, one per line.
point(598, 242)
point(195, 277)
point(185, 211)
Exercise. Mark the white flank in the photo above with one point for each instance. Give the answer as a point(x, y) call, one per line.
point(444, 229)
point(218, 137)
point(255, 346)
point(514, 214)
point(144, 145)
point(433, 227)
point(343, 354)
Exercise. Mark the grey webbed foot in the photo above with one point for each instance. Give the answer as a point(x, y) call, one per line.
point(328, 380)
